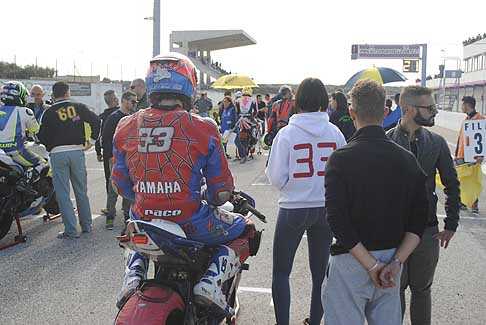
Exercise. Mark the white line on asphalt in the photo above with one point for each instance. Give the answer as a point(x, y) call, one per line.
point(442, 216)
point(97, 169)
point(40, 216)
point(260, 184)
point(259, 290)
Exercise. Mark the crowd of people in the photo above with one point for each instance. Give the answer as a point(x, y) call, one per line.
point(338, 172)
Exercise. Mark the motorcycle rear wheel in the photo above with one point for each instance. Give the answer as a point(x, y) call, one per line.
point(6, 220)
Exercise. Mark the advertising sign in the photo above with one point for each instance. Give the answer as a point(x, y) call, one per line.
point(370, 51)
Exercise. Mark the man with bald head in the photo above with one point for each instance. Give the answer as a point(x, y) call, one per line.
point(138, 87)
point(36, 102)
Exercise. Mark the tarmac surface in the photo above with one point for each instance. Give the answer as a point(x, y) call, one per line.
point(51, 281)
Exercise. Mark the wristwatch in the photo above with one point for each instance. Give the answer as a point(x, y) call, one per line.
point(395, 260)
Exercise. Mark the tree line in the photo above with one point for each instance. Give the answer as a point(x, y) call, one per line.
point(14, 71)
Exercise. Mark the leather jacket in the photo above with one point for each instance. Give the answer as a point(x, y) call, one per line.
point(433, 155)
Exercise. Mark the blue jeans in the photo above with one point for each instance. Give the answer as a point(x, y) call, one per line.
point(70, 166)
point(291, 225)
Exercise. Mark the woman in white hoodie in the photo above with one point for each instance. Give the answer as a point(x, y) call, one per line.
point(296, 167)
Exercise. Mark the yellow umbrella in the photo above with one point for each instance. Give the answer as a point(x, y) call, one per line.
point(231, 81)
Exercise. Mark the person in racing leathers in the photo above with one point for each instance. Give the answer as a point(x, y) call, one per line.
point(160, 156)
point(17, 122)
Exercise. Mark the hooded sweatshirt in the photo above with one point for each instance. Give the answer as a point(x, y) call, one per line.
point(298, 159)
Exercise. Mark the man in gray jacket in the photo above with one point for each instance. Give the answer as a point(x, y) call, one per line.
point(432, 153)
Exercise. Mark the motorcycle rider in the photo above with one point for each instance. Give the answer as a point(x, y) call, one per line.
point(17, 122)
point(161, 155)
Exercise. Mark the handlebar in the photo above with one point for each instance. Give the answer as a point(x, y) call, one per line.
point(247, 206)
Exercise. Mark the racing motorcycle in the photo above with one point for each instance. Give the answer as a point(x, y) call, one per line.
point(249, 134)
point(23, 192)
point(168, 298)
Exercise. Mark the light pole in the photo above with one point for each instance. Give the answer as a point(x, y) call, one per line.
point(443, 78)
point(156, 27)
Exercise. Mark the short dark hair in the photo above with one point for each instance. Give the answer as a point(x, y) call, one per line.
point(59, 89)
point(388, 103)
point(227, 93)
point(469, 100)
point(368, 100)
point(410, 93)
point(311, 96)
point(109, 96)
point(397, 98)
point(128, 94)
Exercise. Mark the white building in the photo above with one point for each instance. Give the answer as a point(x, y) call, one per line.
point(450, 90)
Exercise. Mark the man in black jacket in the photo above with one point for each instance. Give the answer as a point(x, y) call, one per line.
point(63, 132)
point(432, 152)
point(377, 210)
point(128, 106)
point(112, 101)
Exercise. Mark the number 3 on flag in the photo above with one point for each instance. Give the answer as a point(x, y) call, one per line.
point(474, 139)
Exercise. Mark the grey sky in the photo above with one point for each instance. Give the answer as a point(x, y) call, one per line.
point(295, 39)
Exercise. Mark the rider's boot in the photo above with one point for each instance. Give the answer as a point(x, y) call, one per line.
point(135, 270)
point(224, 265)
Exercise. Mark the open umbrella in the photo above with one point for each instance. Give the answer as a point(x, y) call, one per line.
point(232, 81)
point(382, 75)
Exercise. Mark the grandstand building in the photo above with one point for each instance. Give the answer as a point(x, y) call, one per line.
point(198, 45)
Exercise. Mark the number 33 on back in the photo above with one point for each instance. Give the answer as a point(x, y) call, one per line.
point(309, 160)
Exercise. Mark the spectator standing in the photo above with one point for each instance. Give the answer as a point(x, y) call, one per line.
point(139, 88)
point(204, 105)
point(391, 120)
point(281, 112)
point(64, 135)
point(432, 153)
point(229, 118)
point(112, 101)
point(38, 106)
point(377, 210)
point(340, 117)
point(262, 111)
point(296, 168)
point(469, 108)
point(128, 106)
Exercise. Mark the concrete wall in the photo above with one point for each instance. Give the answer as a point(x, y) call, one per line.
point(94, 101)
point(449, 120)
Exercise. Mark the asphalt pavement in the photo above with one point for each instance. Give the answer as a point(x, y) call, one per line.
point(51, 281)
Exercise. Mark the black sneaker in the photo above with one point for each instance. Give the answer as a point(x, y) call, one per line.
point(463, 207)
point(475, 210)
point(109, 224)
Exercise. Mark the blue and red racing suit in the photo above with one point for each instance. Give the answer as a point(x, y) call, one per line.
point(160, 157)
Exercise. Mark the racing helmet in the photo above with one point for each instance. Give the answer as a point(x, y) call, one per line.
point(172, 73)
point(284, 88)
point(247, 91)
point(14, 93)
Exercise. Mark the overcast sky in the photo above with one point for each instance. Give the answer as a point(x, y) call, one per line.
point(295, 39)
